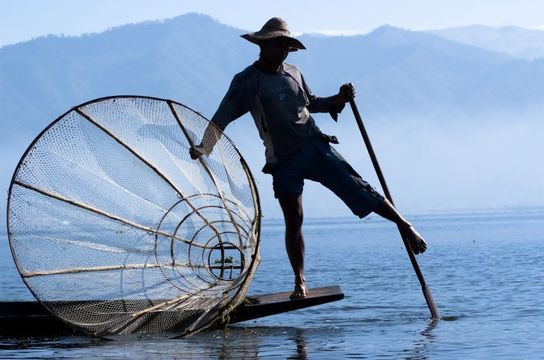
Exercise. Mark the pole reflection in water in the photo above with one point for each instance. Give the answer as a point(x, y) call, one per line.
point(422, 343)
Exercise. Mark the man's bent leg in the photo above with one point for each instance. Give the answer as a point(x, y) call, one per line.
point(291, 204)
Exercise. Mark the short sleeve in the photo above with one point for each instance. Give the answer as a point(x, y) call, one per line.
point(235, 103)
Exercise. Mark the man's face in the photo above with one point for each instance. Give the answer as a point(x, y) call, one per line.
point(275, 50)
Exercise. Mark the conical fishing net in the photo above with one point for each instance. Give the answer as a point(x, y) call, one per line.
point(116, 230)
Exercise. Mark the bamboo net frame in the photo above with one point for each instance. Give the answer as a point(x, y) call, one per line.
point(117, 231)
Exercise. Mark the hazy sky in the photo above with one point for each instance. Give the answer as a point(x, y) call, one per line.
point(22, 20)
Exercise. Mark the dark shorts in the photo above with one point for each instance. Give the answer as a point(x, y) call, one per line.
point(318, 161)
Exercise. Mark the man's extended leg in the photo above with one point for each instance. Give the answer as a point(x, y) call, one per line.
point(291, 204)
point(336, 174)
point(388, 211)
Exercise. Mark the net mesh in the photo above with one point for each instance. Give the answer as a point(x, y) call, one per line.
point(116, 230)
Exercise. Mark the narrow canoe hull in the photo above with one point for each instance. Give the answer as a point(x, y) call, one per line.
point(30, 318)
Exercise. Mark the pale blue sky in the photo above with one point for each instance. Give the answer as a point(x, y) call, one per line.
point(22, 20)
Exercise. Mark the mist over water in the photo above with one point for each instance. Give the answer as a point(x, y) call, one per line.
point(456, 164)
point(488, 162)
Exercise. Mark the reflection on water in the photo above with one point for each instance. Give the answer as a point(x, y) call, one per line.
point(301, 352)
point(484, 271)
point(234, 343)
point(237, 343)
point(421, 344)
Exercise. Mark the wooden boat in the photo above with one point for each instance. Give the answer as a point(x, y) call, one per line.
point(30, 318)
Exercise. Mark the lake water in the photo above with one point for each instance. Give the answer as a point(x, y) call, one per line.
point(485, 271)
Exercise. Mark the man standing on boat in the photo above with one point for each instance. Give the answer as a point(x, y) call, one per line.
point(280, 102)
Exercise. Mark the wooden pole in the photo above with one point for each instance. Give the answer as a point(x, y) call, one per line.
point(426, 291)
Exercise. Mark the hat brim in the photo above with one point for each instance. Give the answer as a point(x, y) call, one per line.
point(255, 38)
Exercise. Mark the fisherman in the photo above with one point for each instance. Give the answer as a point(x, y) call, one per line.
point(280, 103)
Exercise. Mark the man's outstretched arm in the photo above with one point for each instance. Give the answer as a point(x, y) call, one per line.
point(235, 104)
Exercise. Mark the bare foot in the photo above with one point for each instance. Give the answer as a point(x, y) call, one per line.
point(300, 292)
point(417, 243)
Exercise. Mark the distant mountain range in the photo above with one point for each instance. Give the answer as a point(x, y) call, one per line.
point(409, 83)
point(192, 58)
point(511, 40)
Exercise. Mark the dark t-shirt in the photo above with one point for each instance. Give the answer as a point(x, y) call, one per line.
point(280, 105)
